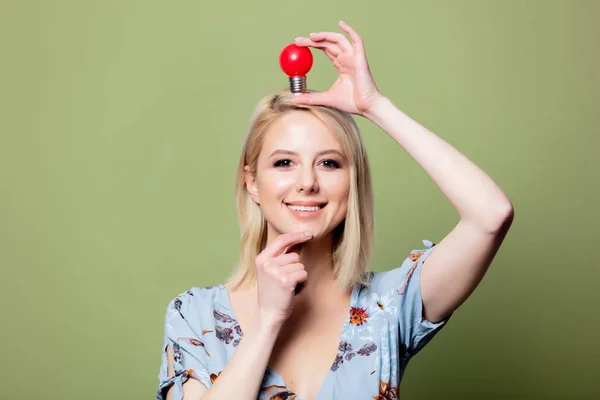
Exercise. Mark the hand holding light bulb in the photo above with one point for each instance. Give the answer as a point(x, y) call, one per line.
point(354, 91)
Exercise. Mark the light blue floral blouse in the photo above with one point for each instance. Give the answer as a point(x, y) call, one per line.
point(384, 328)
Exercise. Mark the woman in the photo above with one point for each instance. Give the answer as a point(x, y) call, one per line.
point(302, 317)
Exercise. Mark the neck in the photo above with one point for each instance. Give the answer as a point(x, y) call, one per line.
point(318, 262)
point(316, 256)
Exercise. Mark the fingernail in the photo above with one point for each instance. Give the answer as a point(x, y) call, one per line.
point(341, 21)
point(298, 38)
point(309, 234)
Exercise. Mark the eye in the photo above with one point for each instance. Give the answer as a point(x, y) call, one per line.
point(282, 163)
point(331, 164)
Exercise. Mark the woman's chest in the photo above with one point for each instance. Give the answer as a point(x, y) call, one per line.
point(361, 356)
point(303, 357)
point(367, 363)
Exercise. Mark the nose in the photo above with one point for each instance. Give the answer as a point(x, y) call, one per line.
point(307, 181)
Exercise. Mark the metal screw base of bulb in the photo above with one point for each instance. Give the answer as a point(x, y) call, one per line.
point(298, 84)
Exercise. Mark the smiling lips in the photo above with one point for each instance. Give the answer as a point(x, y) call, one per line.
point(305, 209)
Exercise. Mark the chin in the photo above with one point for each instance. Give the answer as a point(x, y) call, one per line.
point(318, 232)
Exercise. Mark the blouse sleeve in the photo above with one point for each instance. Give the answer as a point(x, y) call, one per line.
point(415, 330)
point(189, 361)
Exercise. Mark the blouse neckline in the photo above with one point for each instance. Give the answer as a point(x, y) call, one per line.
point(353, 300)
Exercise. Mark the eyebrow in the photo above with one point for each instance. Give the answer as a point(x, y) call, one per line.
point(289, 152)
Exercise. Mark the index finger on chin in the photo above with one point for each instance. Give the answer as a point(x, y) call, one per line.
point(284, 241)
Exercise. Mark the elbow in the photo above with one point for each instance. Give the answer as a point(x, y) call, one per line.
point(502, 219)
point(495, 219)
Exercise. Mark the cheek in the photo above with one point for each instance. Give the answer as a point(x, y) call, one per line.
point(337, 187)
point(273, 186)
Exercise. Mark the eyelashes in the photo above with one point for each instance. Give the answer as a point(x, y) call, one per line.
point(286, 163)
point(332, 164)
point(282, 163)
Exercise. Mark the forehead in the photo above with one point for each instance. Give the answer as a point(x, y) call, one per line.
point(300, 131)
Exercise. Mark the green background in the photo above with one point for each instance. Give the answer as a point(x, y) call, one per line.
point(121, 124)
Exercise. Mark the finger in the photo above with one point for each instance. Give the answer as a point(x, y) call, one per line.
point(332, 37)
point(331, 50)
point(355, 37)
point(278, 245)
point(294, 279)
point(291, 268)
point(286, 259)
point(285, 270)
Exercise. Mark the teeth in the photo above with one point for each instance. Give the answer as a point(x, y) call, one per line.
point(300, 208)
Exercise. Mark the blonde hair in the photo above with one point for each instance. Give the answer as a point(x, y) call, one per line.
point(352, 238)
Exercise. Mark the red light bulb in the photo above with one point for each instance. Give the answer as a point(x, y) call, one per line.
point(296, 62)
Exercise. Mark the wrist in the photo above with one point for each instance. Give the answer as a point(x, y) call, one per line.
point(378, 103)
point(267, 325)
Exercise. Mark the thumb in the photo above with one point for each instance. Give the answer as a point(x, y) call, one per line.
point(311, 99)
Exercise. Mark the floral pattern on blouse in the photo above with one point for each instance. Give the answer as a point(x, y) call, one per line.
point(384, 328)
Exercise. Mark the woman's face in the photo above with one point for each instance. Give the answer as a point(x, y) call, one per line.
point(302, 179)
